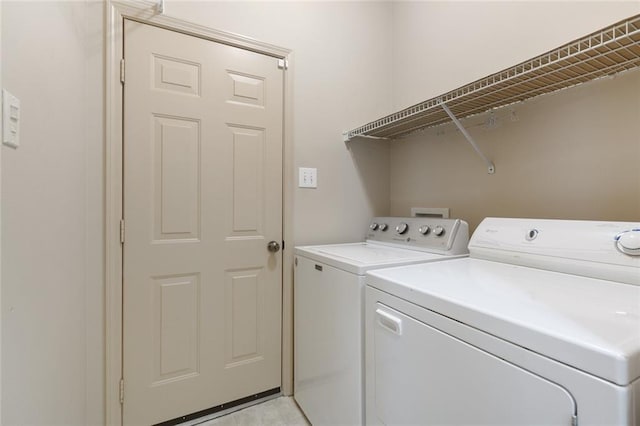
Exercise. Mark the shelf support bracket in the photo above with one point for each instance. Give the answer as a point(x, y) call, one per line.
point(490, 167)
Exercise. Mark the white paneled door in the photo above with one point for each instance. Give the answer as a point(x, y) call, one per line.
point(202, 200)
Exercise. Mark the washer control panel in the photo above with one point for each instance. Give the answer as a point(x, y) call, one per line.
point(415, 232)
point(596, 249)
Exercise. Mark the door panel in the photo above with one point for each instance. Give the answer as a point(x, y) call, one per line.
point(176, 177)
point(243, 317)
point(176, 331)
point(202, 198)
point(248, 175)
point(174, 74)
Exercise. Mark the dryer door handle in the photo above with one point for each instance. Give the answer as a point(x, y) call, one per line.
point(388, 321)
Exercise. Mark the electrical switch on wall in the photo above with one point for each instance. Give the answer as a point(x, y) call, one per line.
point(10, 119)
point(307, 177)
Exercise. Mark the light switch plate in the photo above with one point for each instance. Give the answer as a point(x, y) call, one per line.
point(10, 119)
point(307, 177)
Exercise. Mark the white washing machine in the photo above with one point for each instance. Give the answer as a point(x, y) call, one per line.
point(540, 325)
point(329, 314)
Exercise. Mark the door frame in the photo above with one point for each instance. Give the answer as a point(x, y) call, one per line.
point(146, 12)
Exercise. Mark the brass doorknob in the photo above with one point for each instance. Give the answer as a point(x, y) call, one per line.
point(273, 246)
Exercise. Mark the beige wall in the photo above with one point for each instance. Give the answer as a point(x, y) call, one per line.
point(52, 226)
point(571, 155)
point(442, 45)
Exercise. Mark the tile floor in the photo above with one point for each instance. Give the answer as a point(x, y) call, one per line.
point(282, 411)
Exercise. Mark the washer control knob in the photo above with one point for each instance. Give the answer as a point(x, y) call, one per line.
point(424, 229)
point(374, 226)
point(383, 227)
point(402, 228)
point(628, 242)
point(438, 231)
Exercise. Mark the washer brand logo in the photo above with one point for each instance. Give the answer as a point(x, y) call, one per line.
point(491, 231)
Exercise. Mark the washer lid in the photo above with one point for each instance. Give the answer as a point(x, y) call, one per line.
point(369, 254)
point(588, 323)
point(358, 258)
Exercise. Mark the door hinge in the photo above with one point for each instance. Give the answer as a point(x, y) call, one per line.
point(283, 64)
point(121, 231)
point(121, 391)
point(122, 71)
point(574, 420)
point(282, 245)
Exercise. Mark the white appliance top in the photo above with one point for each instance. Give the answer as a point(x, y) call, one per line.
point(371, 253)
point(395, 241)
point(589, 323)
point(358, 258)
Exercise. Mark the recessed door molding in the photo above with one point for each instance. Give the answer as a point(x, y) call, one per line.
point(146, 12)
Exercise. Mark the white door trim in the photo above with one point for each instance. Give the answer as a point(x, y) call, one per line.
point(2, 124)
point(146, 12)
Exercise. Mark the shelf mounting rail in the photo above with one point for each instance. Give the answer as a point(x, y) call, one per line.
point(491, 169)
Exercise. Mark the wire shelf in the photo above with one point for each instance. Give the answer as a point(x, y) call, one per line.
point(604, 53)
